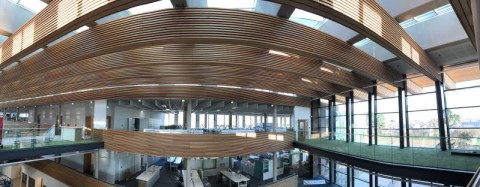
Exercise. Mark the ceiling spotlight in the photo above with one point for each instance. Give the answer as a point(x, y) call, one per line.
point(91, 102)
point(183, 100)
point(139, 100)
point(72, 103)
point(164, 106)
point(231, 102)
point(272, 105)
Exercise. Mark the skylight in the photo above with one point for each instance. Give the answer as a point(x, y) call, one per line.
point(308, 19)
point(233, 4)
point(415, 20)
point(34, 6)
point(150, 7)
point(361, 43)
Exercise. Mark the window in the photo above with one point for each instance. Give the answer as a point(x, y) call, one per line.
point(158, 5)
point(243, 4)
point(387, 121)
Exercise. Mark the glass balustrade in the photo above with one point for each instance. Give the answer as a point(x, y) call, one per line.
point(21, 138)
point(418, 151)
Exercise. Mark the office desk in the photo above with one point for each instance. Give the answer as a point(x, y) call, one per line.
point(149, 177)
point(195, 180)
point(236, 178)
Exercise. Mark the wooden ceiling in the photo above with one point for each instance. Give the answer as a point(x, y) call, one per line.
point(59, 18)
point(367, 17)
point(183, 26)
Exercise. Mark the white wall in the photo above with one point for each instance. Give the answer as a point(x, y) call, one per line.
point(48, 114)
point(75, 161)
point(106, 167)
point(301, 113)
point(37, 175)
point(120, 115)
point(100, 114)
point(74, 114)
point(126, 162)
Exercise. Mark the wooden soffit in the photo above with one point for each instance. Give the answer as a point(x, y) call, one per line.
point(207, 26)
point(59, 18)
point(368, 18)
point(194, 145)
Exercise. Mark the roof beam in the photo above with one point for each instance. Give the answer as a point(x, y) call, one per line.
point(285, 11)
point(370, 19)
point(179, 3)
point(464, 13)
point(5, 33)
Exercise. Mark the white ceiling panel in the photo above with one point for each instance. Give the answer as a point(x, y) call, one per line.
point(437, 31)
point(395, 7)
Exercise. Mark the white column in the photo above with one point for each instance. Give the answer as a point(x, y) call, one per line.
point(275, 165)
point(97, 162)
point(187, 175)
point(206, 120)
point(100, 114)
point(214, 121)
point(188, 115)
point(274, 125)
point(243, 121)
point(175, 118)
point(197, 120)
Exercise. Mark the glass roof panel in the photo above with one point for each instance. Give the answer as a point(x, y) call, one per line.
point(233, 4)
point(307, 19)
point(158, 5)
point(33, 5)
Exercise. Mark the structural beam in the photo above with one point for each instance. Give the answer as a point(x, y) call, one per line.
point(285, 11)
point(179, 3)
point(463, 9)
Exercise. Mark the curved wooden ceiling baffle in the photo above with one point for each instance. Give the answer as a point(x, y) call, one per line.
point(367, 17)
point(163, 67)
point(185, 63)
point(194, 145)
point(217, 26)
point(57, 19)
point(153, 91)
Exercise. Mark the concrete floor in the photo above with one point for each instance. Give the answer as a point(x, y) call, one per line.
point(429, 157)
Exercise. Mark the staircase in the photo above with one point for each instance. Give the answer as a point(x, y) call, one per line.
point(5, 181)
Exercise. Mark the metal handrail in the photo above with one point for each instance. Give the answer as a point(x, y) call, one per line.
point(475, 181)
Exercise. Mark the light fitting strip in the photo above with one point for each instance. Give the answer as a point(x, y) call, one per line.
point(153, 85)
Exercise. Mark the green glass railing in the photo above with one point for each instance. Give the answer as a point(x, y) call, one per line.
point(21, 138)
point(422, 151)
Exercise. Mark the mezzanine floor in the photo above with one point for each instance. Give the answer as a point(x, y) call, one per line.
point(428, 157)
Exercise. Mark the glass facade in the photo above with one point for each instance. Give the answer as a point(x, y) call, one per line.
point(419, 114)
